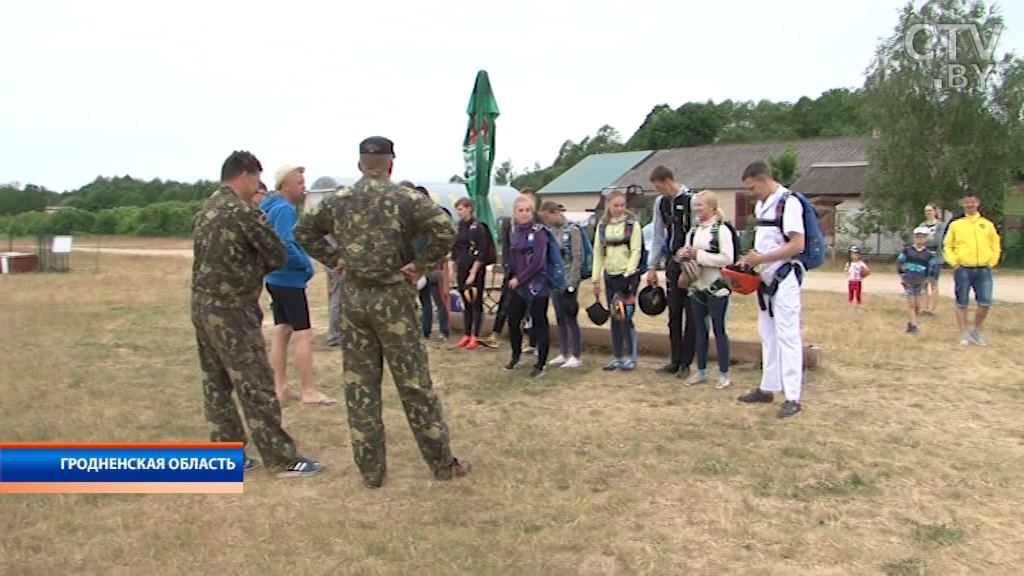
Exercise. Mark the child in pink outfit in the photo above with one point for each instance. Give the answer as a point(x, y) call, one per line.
point(857, 270)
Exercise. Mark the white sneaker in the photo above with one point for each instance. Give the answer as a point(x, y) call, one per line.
point(557, 360)
point(695, 379)
point(965, 339)
point(722, 383)
point(530, 350)
point(572, 362)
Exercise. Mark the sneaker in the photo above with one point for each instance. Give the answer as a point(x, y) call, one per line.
point(628, 365)
point(977, 338)
point(697, 378)
point(304, 467)
point(472, 344)
point(457, 469)
point(560, 359)
point(613, 365)
point(572, 362)
point(249, 464)
point(512, 364)
point(668, 369)
point(757, 395)
point(789, 408)
point(684, 373)
point(462, 342)
point(530, 350)
point(491, 341)
point(537, 372)
point(911, 328)
point(965, 339)
point(722, 383)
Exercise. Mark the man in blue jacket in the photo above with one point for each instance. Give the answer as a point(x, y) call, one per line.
point(287, 289)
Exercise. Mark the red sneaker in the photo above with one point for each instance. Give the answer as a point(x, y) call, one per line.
point(473, 343)
point(462, 342)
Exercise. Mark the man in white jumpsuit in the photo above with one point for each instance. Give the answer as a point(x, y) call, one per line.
point(779, 296)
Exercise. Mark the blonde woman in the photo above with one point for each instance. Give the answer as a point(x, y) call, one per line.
point(617, 249)
point(710, 244)
point(528, 285)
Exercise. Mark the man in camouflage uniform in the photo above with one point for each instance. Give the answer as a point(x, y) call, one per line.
point(234, 248)
point(376, 224)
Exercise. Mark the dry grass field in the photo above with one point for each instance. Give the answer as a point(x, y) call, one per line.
point(908, 459)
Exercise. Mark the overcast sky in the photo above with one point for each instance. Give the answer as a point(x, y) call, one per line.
point(167, 90)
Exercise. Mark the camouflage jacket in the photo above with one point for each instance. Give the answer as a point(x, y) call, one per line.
point(233, 248)
point(375, 224)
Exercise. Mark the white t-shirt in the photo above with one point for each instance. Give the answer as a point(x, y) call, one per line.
point(769, 238)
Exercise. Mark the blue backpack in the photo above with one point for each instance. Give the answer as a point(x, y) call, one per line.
point(813, 254)
point(554, 267)
point(631, 224)
point(587, 270)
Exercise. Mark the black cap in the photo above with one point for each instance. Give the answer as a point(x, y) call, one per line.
point(377, 145)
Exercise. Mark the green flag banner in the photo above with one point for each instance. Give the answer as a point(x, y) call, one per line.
point(478, 148)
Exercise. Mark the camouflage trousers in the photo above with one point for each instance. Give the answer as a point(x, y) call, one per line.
point(379, 323)
point(233, 357)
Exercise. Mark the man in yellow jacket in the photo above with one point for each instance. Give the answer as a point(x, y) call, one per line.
point(972, 248)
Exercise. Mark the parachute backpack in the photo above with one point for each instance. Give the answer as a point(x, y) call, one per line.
point(813, 254)
point(715, 247)
point(489, 250)
point(554, 266)
point(587, 269)
point(628, 231)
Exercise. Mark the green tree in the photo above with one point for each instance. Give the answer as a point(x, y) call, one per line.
point(784, 167)
point(937, 138)
point(504, 173)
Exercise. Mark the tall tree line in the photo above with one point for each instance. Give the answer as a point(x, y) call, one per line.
point(836, 112)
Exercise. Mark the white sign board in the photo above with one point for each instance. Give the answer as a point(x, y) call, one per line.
point(61, 245)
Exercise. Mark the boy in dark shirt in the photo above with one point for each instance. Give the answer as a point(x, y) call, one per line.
point(915, 265)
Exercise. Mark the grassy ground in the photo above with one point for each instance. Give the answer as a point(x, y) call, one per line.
point(907, 460)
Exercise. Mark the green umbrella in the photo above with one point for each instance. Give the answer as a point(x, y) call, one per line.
point(478, 148)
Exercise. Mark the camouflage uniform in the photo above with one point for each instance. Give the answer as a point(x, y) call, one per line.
point(376, 223)
point(234, 248)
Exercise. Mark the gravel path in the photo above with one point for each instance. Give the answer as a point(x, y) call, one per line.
point(1008, 288)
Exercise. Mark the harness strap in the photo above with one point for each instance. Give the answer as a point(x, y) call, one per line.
point(767, 291)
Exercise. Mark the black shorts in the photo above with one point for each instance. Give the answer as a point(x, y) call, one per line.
point(289, 306)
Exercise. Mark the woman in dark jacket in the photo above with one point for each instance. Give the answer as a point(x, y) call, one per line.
point(528, 288)
point(469, 254)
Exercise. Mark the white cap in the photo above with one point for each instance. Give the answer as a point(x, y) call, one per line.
point(922, 230)
point(283, 173)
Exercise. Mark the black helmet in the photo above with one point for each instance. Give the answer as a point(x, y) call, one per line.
point(597, 313)
point(653, 300)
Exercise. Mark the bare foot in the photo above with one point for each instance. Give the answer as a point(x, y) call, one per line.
point(288, 394)
point(318, 399)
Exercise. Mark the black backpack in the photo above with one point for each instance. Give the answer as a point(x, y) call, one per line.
point(490, 254)
point(715, 248)
point(681, 207)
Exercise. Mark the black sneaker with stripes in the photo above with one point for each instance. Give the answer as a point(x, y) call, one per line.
point(304, 467)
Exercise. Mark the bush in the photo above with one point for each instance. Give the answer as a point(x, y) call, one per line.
point(160, 219)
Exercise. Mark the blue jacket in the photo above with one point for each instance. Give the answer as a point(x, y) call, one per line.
point(297, 271)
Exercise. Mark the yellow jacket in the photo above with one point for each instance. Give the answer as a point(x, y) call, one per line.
point(621, 259)
point(971, 241)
